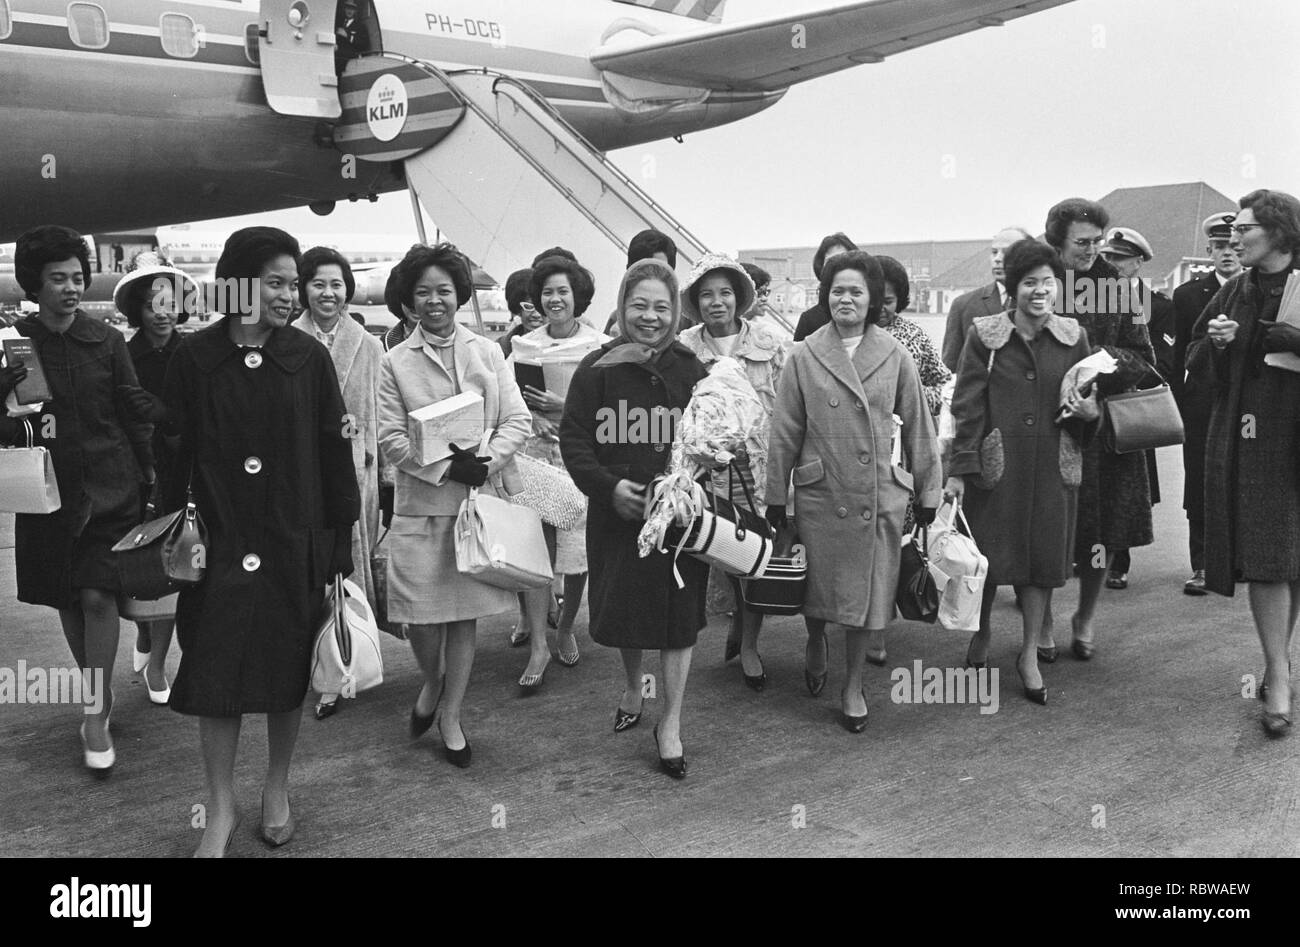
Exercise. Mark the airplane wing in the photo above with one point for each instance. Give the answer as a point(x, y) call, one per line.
point(773, 54)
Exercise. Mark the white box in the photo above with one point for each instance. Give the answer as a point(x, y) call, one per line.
point(456, 420)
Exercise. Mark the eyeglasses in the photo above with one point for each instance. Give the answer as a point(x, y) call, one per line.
point(1084, 242)
point(527, 307)
point(1240, 229)
point(764, 293)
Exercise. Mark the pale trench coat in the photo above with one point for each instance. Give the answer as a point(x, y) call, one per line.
point(832, 433)
point(356, 355)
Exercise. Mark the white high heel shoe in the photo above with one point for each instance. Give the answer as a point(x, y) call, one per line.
point(99, 760)
point(158, 696)
point(140, 660)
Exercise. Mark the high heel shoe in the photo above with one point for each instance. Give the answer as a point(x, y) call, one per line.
point(139, 660)
point(531, 682)
point(1083, 650)
point(1048, 655)
point(1262, 693)
point(816, 683)
point(1037, 694)
point(519, 636)
point(459, 757)
point(100, 761)
point(756, 682)
point(160, 696)
point(674, 766)
point(277, 835)
point(977, 665)
point(420, 724)
point(849, 722)
point(624, 720)
point(230, 836)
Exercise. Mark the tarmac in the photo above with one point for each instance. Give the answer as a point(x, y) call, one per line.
point(1153, 748)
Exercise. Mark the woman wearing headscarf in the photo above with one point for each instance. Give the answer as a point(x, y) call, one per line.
point(97, 429)
point(261, 423)
point(832, 435)
point(611, 450)
point(426, 591)
point(325, 285)
point(154, 297)
point(718, 292)
point(1016, 467)
point(1252, 476)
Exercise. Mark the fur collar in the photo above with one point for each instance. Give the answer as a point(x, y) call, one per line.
point(995, 331)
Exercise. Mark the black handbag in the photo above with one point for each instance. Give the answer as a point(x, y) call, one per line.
point(917, 597)
point(781, 588)
point(160, 556)
point(1142, 420)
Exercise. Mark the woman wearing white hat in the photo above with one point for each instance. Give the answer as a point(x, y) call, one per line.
point(154, 297)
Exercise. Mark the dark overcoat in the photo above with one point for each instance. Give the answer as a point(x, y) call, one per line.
point(633, 602)
point(1252, 458)
point(831, 437)
point(1195, 396)
point(98, 451)
point(1022, 470)
point(151, 368)
point(273, 479)
point(1115, 495)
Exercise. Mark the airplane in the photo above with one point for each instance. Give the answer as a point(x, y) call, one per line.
point(495, 114)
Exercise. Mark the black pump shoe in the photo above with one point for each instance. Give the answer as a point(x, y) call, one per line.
point(816, 682)
point(757, 681)
point(456, 757)
point(674, 766)
point(624, 720)
point(851, 723)
point(977, 665)
point(420, 724)
point(1037, 694)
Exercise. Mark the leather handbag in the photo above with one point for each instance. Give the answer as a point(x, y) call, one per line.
point(27, 481)
point(346, 659)
point(1142, 420)
point(379, 575)
point(501, 543)
point(780, 590)
point(736, 540)
point(163, 555)
point(917, 596)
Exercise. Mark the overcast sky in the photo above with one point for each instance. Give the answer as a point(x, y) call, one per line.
point(958, 138)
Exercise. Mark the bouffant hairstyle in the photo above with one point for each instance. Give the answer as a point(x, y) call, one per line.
point(313, 260)
point(517, 290)
point(1072, 210)
point(649, 242)
point(834, 240)
point(48, 244)
point(1279, 212)
point(896, 276)
point(554, 251)
point(760, 276)
point(580, 281)
point(248, 251)
point(865, 264)
point(1025, 256)
point(419, 258)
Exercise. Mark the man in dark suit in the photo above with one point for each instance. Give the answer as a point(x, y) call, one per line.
point(985, 301)
point(1127, 250)
point(1194, 399)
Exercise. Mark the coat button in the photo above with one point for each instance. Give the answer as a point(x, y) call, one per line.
point(841, 512)
point(1029, 420)
point(864, 458)
point(659, 448)
point(252, 562)
point(253, 359)
point(866, 514)
point(253, 465)
point(654, 380)
point(1030, 376)
point(858, 405)
point(834, 402)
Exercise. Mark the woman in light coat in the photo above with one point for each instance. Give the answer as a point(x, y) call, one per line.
point(438, 360)
point(831, 434)
point(325, 285)
point(718, 292)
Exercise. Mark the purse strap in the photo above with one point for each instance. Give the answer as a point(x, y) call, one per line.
point(342, 637)
point(749, 497)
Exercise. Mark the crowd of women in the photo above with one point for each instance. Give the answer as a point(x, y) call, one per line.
point(292, 438)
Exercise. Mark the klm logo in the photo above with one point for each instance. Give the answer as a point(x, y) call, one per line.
point(387, 112)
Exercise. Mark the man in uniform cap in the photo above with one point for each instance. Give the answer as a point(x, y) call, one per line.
point(1127, 250)
point(1194, 399)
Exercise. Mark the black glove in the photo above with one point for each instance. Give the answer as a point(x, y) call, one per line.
point(1280, 336)
point(466, 468)
point(924, 515)
point(776, 516)
point(9, 379)
point(387, 493)
point(341, 561)
point(143, 406)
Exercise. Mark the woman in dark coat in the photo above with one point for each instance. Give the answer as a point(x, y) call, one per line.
point(1252, 466)
point(257, 407)
point(1016, 470)
point(154, 297)
point(635, 603)
point(96, 430)
point(1115, 495)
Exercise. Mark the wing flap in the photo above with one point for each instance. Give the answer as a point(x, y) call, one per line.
point(773, 54)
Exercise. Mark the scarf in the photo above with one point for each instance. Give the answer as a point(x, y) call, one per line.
point(624, 351)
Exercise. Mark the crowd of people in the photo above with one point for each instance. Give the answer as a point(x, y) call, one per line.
point(291, 436)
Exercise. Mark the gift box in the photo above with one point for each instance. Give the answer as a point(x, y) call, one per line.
point(456, 420)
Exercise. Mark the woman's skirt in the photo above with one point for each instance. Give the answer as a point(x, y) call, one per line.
point(424, 585)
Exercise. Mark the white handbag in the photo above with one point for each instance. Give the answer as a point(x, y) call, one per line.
point(346, 659)
point(959, 570)
point(501, 543)
point(549, 492)
point(27, 481)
